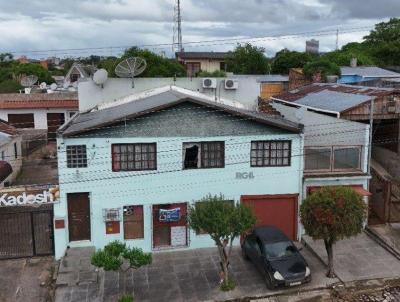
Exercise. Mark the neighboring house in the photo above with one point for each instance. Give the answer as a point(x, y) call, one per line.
point(38, 112)
point(25, 60)
point(335, 150)
point(195, 62)
point(10, 153)
point(272, 85)
point(75, 73)
point(130, 169)
point(365, 75)
point(353, 103)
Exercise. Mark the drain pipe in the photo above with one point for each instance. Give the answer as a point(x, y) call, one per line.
point(371, 123)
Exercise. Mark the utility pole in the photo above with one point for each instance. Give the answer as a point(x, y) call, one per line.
point(177, 34)
point(337, 39)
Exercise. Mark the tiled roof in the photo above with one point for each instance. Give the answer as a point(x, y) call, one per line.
point(368, 72)
point(202, 55)
point(39, 100)
point(7, 128)
point(333, 101)
point(301, 92)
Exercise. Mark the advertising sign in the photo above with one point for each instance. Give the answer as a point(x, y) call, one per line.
point(171, 215)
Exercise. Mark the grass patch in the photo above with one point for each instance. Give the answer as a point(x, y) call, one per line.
point(230, 285)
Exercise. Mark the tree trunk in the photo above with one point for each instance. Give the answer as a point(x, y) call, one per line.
point(224, 263)
point(329, 251)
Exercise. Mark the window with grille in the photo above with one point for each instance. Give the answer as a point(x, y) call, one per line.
point(270, 153)
point(76, 156)
point(203, 155)
point(134, 157)
point(133, 222)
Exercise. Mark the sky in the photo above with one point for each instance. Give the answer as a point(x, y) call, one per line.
point(31, 25)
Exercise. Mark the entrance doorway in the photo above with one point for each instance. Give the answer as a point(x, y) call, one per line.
point(169, 225)
point(78, 216)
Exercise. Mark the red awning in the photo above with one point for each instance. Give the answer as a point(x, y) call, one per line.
point(358, 188)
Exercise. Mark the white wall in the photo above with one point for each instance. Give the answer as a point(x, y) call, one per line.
point(9, 156)
point(40, 115)
point(91, 94)
point(207, 65)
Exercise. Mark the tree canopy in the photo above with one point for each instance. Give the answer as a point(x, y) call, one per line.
point(286, 59)
point(248, 59)
point(321, 66)
point(331, 214)
point(385, 32)
point(223, 221)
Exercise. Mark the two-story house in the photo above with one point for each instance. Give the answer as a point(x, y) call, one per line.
point(128, 170)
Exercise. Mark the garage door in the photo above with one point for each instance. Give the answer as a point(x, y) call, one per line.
point(276, 210)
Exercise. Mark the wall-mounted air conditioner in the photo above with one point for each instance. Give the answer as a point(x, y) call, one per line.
point(209, 83)
point(231, 84)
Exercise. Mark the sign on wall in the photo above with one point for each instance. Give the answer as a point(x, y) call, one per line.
point(171, 215)
point(11, 198)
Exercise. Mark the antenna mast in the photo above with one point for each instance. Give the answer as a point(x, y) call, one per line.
point(177, 38)
point(337, 39)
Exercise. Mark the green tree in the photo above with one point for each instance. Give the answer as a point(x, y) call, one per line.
point(115, 254)
point(343, 57)
point(322, 66)
point(223, 221)
point(157, 66)
point(10, 86)
point(214, 74)
point(331, 214)
point(35, 69)
point(248, 59)
point(286, 59)
point(385, 32)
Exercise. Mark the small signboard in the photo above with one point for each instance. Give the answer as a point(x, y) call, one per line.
point(31, 197)
point(171, 215)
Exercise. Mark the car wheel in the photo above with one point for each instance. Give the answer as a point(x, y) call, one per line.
point(268, 282)
point(244, 255)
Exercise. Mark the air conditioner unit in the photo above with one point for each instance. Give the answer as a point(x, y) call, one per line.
point(209, 83)
point(231, 84)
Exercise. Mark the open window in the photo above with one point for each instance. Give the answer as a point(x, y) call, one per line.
point(197, 155)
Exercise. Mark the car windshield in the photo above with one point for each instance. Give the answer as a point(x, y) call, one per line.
point(279, 249)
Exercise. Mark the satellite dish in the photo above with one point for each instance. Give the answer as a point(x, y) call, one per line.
point(53, 86)
point(130, 68)
point(28, 81)
point(43, 85)
point(66, 85)
point(100, 77)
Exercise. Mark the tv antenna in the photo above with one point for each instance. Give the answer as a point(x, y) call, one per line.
point(29, 81)
point(177, 32)
point(130, 68)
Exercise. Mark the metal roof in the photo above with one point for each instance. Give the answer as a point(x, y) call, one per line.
point(333, 101)
point(369, 72)
point(273, 78)
point(96, 119)
point(202, 55)
point(38, 100)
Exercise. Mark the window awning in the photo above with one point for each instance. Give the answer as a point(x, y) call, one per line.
point(358, 188)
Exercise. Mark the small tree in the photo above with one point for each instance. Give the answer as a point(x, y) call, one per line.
point(114, 254)
point(224, 221)
point(331, 214)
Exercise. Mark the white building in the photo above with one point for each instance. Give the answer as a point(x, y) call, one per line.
point(10, 153)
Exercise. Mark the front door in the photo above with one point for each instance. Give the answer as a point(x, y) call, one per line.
point(78, 216)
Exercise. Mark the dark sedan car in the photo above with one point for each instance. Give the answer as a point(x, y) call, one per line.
point(276, 257)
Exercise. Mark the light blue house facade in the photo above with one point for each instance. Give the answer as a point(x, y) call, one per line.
point(130, 171)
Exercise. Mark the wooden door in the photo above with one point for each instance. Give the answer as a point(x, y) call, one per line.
point(22, 120)
point(270, 89)
point(54, 121)
point(78, 216)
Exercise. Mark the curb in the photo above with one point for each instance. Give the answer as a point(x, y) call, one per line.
point(374, 236)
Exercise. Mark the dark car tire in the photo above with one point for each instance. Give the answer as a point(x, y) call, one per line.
point(244, 255)
point(268, 282)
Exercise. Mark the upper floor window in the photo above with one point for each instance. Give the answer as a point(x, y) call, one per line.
point(270, 153)
point(333, 159)
point(134, 157)
point(203, 155)
point(76, 156)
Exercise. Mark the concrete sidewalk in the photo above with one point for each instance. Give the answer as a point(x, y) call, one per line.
point(358, 258)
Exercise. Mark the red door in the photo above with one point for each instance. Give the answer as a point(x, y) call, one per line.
point(276, 210)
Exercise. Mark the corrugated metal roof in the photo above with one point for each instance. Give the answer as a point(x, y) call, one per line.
point(368, 72)
point(39, 100)
point(153, 103)
point(333, 101)
point(298, 93)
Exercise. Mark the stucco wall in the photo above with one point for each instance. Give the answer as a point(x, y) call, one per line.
point(207, 65)
point(9, 157)
point(91, 94)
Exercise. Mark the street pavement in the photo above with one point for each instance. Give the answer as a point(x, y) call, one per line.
point(358, 258)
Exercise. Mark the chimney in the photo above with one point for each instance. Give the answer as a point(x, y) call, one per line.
point(353, 62)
